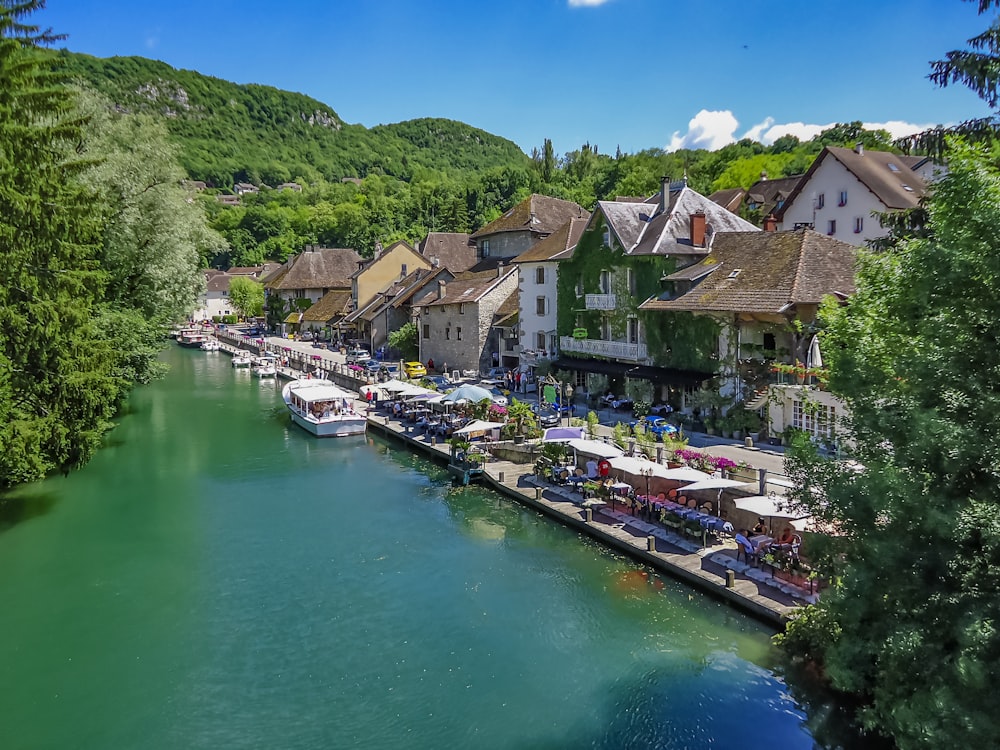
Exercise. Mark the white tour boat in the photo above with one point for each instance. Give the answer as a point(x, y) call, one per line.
point(320, 407)
point(191, 338)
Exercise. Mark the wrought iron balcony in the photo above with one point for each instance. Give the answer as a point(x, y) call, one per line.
point(599, 348)
point(600, 301)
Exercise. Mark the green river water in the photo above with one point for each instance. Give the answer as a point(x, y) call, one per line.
point(217, 578)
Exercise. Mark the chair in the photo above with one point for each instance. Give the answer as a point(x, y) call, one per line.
point(690, 502)
point(706, 507)
point(748, 552)
point(592, 472)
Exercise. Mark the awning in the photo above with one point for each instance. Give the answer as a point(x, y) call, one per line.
point(663, 375)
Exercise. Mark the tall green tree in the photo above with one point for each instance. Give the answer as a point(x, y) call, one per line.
point(913, 628)
point(57, 392)
point(247, 296)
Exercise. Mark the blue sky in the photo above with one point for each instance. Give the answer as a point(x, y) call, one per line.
point(630, 73)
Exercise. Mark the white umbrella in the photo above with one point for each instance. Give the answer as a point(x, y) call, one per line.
point(815, 357)
point(468, 393)
point(631, 465)
point(714, 483)
point(594, 448)
point(685, 474)
point(478, 425)
point(392, 386)
point(770, 506)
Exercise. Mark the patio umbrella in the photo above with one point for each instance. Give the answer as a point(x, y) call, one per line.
point(685, 474)
point(631, 465)
point(594, 448)
point(714, 483)
point(478, 425)
point(469, 393)
point(561, 434)
point(770, 506)
point(815, 357)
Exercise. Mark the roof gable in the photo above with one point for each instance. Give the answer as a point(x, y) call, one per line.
point(452, 250)
point(557, 246)
point(541, 214)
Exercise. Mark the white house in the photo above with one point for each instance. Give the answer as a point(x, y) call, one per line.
point(537, 273)
point(843, 187)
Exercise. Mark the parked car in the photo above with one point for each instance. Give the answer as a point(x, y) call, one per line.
point(414, 369)
point(372, 366)
point(498, 396)
point(615, 402)
point(545, 415)
point(439, 382)
point(495, 376)
point(358, 356)
point(656, 426)
point(306, 336)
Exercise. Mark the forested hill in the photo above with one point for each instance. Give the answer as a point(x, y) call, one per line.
point(230, 132)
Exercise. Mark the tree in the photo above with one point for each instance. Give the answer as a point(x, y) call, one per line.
point(404, 341)
point(911, 629)
point(57, 388)
point(247, 296)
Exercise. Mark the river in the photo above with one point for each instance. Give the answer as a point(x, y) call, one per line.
point(217, 578)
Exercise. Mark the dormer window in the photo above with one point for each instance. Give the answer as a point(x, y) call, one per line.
point(734, 273)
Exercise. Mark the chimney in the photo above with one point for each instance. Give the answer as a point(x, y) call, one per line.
point(770, 223)
point(859, 148)
point(534, 219)
point(664, 193)
point(435, 262)
point(698, 229)
point(763, 176)
point(500, 270)
point(442, 288)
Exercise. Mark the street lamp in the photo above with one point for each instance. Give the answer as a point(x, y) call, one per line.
point(567, 395)
point(647, 472)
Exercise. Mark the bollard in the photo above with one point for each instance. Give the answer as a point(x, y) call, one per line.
point(588, 515)
point(748, 442)
point(730, 578)
point(538, 493)
point(434, 439)
point(501, 477)
point(651, 543)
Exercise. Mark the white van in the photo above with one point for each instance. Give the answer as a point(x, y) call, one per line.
point(357, 356)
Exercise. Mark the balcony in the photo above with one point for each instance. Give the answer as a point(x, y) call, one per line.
point(535, 356)
point(600, 301)
point(599, 348)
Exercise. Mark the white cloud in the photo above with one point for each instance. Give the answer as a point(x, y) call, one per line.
point(586, 3)
point(708, 130)
point(713, 130)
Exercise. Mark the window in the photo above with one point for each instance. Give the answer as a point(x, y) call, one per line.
point(540, 275)
point(447, 334)
point(461, 308)
point(540, 306)
point(606, 237)
point(633, 330)
point(402, 271)
point(769, 342)
point(427, 331)
point(553, 343)
point(606, 329)
point(831, 227)
point(485, 248)
point(579, 287)
point(605, 282)
point(540, 340)
point(458, 333)
point(630, 278)
point(859, 224)
point(820, 200)
point(843, 198)
point(816, 419)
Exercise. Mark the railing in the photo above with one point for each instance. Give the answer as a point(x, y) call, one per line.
point(534, 356)
point(614, 349)
point(600, 302)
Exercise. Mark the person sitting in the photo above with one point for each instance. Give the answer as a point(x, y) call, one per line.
point(785, 540)
point(761, 528)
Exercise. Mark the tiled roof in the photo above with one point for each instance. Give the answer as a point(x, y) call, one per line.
point(643, 229)
point(767, 193)
point(557, 246)
point(217, 282)
point(468, 287)
point(334, 304)
point(730, 199)
point(452, 249)
point(329, 267)
point(888, 176)
point(764, 272)
point(549, 214)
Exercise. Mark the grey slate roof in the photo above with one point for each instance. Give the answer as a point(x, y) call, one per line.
point(644, 229)
point(775, 270)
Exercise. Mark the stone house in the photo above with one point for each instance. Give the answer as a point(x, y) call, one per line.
point(531, 220)
point(454, 322)
point(764, 290)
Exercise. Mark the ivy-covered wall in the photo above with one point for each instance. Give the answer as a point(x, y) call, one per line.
point(678, 340)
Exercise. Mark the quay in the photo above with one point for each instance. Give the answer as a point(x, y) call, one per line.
point(713, 570)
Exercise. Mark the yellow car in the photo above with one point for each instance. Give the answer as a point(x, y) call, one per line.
point(414, 369)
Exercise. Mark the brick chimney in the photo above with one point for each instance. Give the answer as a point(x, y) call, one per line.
point(698, 229)
point(770, 223)
point(442, 288)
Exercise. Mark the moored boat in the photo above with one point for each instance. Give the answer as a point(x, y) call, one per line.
point(210, 345)
point(191, 338)
point(323, 409)
point(242, 359)
point(265, 368)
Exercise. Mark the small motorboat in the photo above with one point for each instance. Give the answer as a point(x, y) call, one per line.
point(265, 367)
point(211, 345)
point(242, 360)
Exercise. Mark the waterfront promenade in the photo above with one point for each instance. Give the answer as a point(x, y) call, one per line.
point(712, 569)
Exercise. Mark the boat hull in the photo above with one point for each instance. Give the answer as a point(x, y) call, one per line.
point(344, 427)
